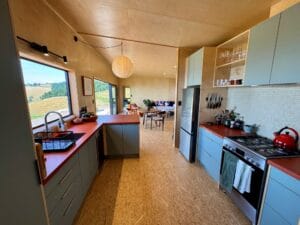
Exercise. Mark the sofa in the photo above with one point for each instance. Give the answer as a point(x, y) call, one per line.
point(167, 106)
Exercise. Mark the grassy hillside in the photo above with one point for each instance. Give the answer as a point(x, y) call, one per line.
point(39, 108)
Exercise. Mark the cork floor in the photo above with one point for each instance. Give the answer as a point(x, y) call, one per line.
point(158, 188)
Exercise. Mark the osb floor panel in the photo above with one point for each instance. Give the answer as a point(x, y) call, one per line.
point(158, 188)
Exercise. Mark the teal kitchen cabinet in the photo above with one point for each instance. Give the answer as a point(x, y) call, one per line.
point(210, 152)
point(114, 140)
point(195, 64)
point(131, 139)
point(282, 199)
point(64, 194)
point(286, 67)
point(88, 158)
point(261, 49)
point(122, 140)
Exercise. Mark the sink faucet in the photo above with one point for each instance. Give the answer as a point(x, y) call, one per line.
point(60, 118)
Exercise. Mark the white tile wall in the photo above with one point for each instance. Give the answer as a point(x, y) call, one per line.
point(272, 107)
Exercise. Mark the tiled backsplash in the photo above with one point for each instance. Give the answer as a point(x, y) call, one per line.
point(272, 107)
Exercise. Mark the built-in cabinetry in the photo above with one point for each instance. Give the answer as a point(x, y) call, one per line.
point(88, 158)
point(64, 193)
point(210, 152)
point(230, 61)
point(122, 140)
point(286, 67)
point(66, 190)
point(261, 51)
point(282, 199)
point(274, 50)
point(194, 68)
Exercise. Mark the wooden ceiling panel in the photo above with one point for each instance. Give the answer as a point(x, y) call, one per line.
point(185, 23)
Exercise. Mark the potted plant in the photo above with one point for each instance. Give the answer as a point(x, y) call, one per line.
point(148, 103)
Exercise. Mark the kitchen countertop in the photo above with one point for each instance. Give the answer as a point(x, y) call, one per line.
point(290, 166)
point(223, 131)
point(56, 160)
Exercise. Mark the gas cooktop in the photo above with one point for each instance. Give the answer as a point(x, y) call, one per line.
point(263, 146)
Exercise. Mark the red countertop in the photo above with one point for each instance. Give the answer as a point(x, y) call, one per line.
point(55, 160)
point(291, 166)
point(223, 131)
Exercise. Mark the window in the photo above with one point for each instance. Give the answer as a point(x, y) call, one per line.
point(127, 96)
point(106, 96)
point(47, 89)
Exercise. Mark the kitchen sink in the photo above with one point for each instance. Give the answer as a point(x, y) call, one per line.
point(77, 136)
point(57, 141)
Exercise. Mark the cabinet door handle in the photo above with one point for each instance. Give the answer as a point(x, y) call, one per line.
point(68, 207)
point(65, 177)
point(67, 191)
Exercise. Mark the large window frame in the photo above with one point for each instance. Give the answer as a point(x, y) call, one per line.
point(67, 78)
point(110, 86)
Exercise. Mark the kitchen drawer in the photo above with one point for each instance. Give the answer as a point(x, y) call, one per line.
point(63, 187)
point(290, 182)
point(210, 146)
point(270, 217)
point(58, 178)
point(211, 136)
point(63, 208)
point(283, 201)
point(211, 166)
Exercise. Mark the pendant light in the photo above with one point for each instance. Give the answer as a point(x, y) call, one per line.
point(122, 66)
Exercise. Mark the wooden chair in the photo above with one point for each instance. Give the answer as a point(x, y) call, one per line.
point(148, 116)
point(159, 119)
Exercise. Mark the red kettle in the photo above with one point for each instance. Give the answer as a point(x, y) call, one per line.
point(286, 141)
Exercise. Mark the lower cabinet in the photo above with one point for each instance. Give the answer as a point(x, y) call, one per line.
point(122, 140)
point(210, 152)
point(63, 193)
point(88, 160)
point(68, 187)
point(282, 199)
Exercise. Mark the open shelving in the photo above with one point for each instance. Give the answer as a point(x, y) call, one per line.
point(230, 61)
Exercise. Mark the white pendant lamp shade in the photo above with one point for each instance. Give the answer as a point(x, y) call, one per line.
point(122, 66)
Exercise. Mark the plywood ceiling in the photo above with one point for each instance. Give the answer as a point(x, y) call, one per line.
point(185, 23)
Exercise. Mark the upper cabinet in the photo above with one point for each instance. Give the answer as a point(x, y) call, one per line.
point(262, 42)
point(195, 64)
point(230, 61)
point(286, 67)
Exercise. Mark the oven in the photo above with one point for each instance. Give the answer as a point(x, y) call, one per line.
point(250, 202)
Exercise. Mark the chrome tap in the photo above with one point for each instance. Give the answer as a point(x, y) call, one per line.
point(60, 118)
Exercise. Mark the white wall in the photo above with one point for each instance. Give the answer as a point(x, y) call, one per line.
point(272, 107)
point(154, 88)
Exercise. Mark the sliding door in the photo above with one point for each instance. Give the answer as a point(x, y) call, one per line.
point(105, 97)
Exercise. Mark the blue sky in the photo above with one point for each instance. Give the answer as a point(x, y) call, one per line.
point(38, 73)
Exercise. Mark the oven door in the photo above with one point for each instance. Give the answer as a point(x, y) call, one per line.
point(248, 202)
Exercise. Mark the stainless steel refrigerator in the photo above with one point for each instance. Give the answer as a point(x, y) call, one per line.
point(189, 122)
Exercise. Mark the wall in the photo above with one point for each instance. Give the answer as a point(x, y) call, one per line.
point(35, 21)
point(154, 88)
point(208, 115)
point(183, 53)
point(272, 107)
point(281, 6)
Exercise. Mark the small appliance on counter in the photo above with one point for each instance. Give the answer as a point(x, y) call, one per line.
point(250, 129)
point(286, 141)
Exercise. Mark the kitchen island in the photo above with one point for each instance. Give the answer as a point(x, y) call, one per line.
point(54, 161)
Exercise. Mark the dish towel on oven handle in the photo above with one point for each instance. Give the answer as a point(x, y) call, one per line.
point(228, 171)
point(242, 178)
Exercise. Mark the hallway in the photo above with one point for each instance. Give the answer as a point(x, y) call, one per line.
point(158, 188)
